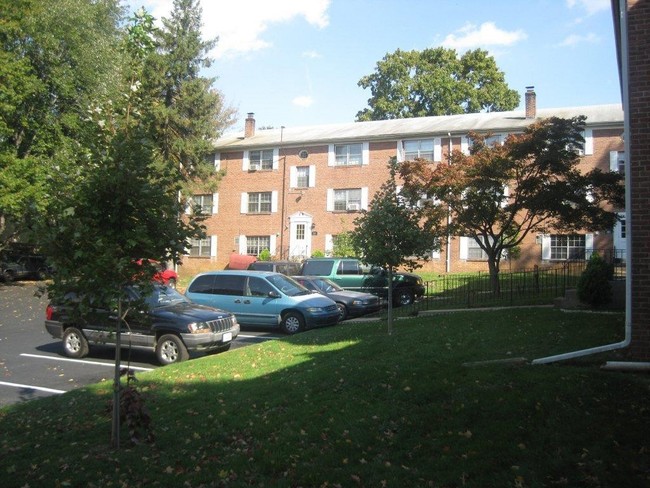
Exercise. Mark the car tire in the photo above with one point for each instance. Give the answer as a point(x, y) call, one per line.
point(75, 344)
point(403, 297)
point(292, 323)
point(343, 311)
point(171, 349)
point(8, 276)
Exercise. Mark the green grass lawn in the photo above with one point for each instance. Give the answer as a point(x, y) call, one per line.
point(351, 406)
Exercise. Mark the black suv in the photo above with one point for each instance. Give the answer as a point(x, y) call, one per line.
point(170, 325)
point(351, 274)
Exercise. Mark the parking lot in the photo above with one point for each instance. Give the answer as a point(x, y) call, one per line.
point(32, 363)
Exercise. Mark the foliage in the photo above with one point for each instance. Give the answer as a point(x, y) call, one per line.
point(346, 403)
point(55, 58)
point(318, 254)
point(394, 233)
point(343, 245)
point(435, 81)
point(265, 255)
point(499, 194)
point(594, 287)
point(186, 112)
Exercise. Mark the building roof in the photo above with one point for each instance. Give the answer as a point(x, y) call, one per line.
point(496, 122)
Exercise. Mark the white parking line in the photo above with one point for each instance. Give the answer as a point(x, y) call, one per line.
point(31, 387)
point(81, 361)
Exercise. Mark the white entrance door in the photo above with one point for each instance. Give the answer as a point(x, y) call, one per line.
point(300, 235)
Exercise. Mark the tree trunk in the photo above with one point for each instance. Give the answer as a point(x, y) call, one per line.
point(495, 285)
point(390, 300)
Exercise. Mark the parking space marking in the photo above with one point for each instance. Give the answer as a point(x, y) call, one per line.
point(31, 387)
point(81, 361)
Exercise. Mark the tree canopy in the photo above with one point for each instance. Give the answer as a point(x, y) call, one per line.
point(394, 233)
point(435, 81)
point(500, 193)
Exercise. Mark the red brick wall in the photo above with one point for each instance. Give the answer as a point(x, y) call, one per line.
point(639, 117)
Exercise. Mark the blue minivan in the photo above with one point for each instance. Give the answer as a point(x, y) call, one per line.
point(263, 299)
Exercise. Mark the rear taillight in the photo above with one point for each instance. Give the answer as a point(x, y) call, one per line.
point(48, 312)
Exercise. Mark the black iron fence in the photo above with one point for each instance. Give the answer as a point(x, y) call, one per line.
point(540, 285)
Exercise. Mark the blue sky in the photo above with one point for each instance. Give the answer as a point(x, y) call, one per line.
point(298, 62)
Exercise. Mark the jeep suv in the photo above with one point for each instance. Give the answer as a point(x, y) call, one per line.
point(351, 274)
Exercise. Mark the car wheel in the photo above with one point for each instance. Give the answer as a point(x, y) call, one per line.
point(292, 323)
point(75, 344)
point(343, 311)
point(8, 276)
point(171, 349)
point(403, 297)
point(172, 283)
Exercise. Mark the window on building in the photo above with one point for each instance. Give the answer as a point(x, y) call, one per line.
point(259, 202)
point(347, 200)
point(348, 154)
point(302, 177)
point(200, 248)
point(300, 232)
point(617, 161)
point(565, 247)
point(474, 251)
point(204, 202)
point(422, 149)
point(262, 159)
point(256, 244)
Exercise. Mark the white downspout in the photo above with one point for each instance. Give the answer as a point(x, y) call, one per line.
point(448, 246)
point(622, 13)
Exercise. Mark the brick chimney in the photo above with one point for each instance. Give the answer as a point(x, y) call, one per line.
point(249, 128)
point(531, 102)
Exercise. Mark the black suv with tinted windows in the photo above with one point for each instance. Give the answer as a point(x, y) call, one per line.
point(351, 274)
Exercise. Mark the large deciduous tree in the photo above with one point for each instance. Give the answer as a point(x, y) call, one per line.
point(393, 233)
point(500, 193)
point(55, 57)
point(435, 82)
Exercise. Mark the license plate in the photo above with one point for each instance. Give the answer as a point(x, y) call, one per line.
point(227, 337)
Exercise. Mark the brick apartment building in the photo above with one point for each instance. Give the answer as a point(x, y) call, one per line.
point(632, 26)
point(292, 190)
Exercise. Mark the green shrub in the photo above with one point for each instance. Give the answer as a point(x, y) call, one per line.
point(318, 254)
point(594, 287)
point(265, 255)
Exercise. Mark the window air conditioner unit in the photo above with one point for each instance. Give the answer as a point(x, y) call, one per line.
point(352, 206)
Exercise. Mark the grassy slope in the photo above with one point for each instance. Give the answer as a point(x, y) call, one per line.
point(352, 406)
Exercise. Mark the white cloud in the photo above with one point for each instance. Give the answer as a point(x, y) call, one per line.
point(591, 6)
point(574, 39)
point(303, 101)
point(487, 34)
point(311, 54)
point(240, 25)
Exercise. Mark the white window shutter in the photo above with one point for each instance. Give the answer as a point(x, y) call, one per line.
point(329, 244)
point(217, 161)
point(400, 152)
point(245, 162)
point(293, 177)
point(242, 245)
point(274, 201)
point(331, 156)
point(330, 200)
point(464, 145)
point(546, 247)
point(589, 245)
point(364, 198)
point(312, 176)
point(437, 149)
point(213, 246)
point(244, 203)
point(613, 161)
point(463, 247)
point(215, 203)
point(506, 194)
point(589, 141)
point(188, 206)
point(435, 254)
point(272, 244)
point(365, 154)
point(276, 158)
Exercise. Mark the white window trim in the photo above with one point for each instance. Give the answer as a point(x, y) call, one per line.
point(365, 154)
point(437, 148)
point(546, 246)
point(589, 142)
point(293, 176)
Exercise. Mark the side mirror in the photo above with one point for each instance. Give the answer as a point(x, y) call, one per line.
point(274, 294)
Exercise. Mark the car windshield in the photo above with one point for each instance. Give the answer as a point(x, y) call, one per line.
point(287, 285)
point(163, 296)
point(326, 285)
